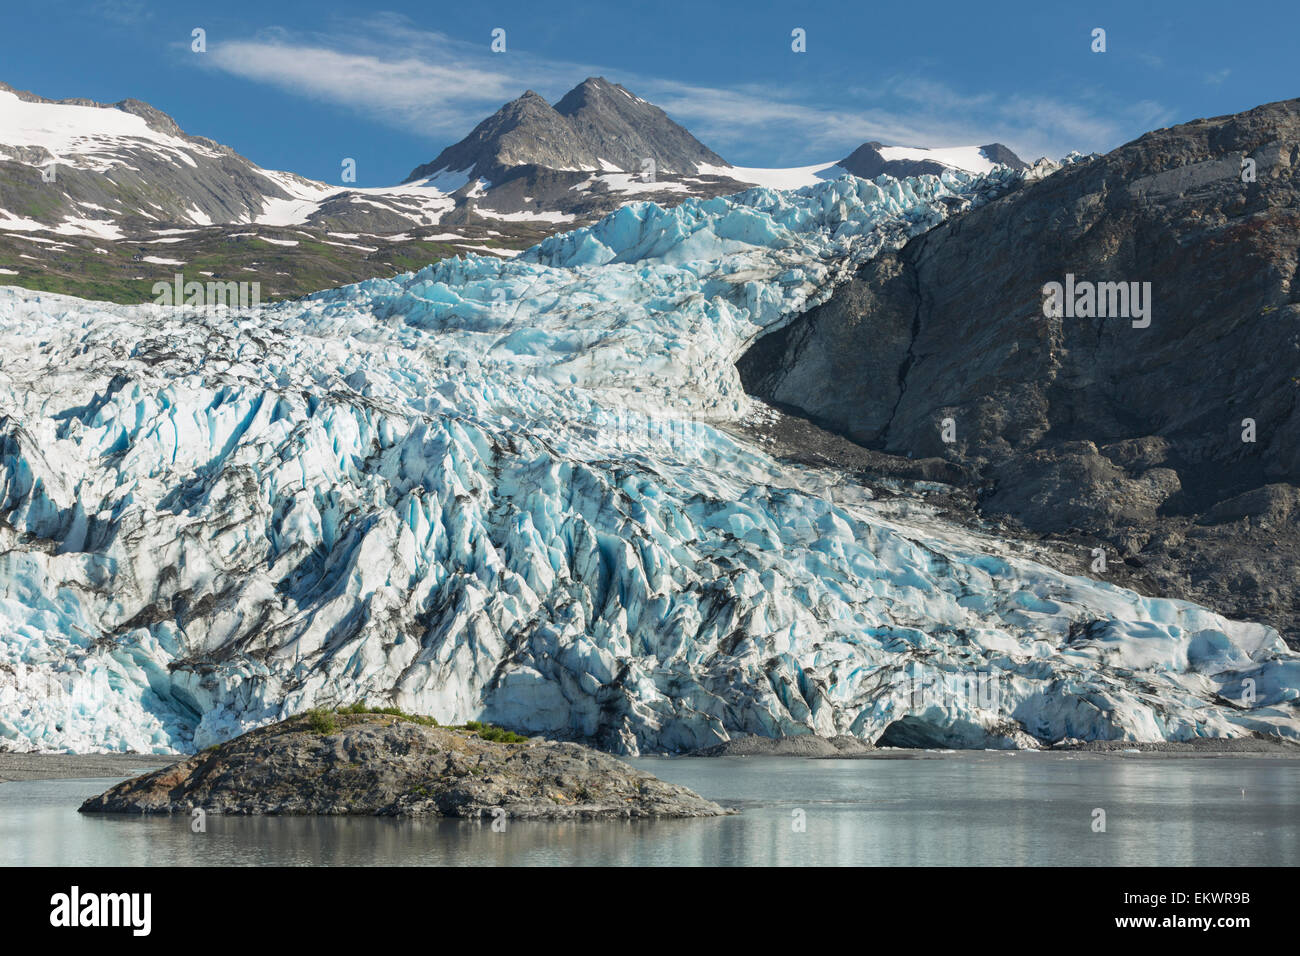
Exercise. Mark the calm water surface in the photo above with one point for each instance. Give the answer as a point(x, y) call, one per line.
point(970, 808)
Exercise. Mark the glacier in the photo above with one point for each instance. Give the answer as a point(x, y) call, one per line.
point(515, 490)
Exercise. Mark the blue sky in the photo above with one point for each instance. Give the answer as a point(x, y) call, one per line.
point(299, 85)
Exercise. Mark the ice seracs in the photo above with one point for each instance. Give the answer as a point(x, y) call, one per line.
point(508, 490)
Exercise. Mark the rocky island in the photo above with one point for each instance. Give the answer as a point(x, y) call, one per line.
point(393, 764)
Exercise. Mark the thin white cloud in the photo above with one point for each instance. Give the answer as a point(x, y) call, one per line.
point(913, 111)
point(440, 87)
point(406, 91)
point(384, 67)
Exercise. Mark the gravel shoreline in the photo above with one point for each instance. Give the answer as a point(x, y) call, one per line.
point(32, 766)
point(35, 766)
point(1205, 747)
point(850, 748)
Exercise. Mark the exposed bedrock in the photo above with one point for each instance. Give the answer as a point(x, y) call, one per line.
point(1088, 423)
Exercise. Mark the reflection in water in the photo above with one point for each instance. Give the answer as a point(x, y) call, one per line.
point(970, 808)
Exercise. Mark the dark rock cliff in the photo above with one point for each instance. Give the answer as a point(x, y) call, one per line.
point(1095, 424)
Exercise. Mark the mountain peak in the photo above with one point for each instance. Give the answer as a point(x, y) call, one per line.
point(626, 130)
point(595, 124)
point(528, 102)
point(525, 131)
point(153, 117)
point(998, 153)
point(874, 158)
point(591, 87)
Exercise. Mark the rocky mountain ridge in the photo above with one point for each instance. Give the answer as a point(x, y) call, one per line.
point(104, 200)
point(601, 145)
point(1172, 447)
point(875, 159)
point(595, 125)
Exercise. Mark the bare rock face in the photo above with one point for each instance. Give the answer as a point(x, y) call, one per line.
point(868, 162)
point(379, 765)
point(1092, 424)
point(532, 157)
point(624, 129)
point(595, 121)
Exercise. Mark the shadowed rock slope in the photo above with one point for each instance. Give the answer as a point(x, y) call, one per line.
point(1090, 425)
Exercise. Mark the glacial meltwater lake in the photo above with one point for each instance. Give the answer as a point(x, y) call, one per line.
point(980, 808)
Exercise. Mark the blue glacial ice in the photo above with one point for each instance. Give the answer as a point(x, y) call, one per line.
point(514, 491)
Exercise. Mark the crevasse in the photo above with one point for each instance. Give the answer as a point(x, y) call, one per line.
point(509, 490)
